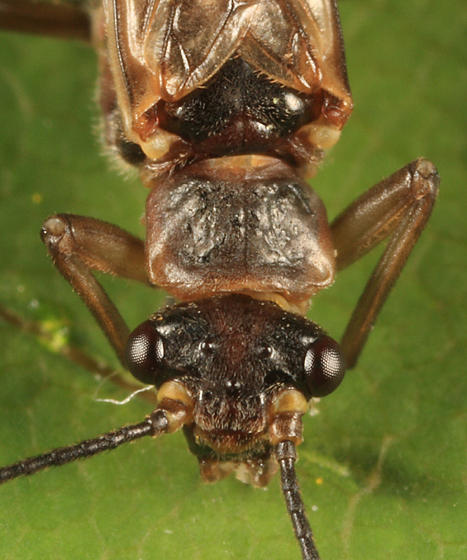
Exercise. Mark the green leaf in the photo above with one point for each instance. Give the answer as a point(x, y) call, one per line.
point(381, 466)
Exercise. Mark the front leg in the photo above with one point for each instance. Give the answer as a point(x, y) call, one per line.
point(397, 208)
point(80, 245)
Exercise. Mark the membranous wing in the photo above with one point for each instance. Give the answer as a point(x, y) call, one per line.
point(299, 44)
point(165, 49)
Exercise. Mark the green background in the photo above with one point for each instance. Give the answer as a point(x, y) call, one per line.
point(388, 447)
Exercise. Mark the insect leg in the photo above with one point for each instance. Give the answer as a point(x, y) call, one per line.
point(286, 457)
point(80, 245)
point(154, 425)
point(397, 208)
point(62, 20)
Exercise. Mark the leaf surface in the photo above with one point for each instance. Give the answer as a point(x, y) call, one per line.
point(381, 467)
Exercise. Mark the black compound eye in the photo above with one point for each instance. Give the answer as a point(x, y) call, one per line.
point(324, 366)
point(145, 352)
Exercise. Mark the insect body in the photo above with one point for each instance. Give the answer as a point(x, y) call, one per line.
point(225, 117)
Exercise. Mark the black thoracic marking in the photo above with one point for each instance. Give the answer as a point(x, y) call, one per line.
point(238, 107)
point(270, 233)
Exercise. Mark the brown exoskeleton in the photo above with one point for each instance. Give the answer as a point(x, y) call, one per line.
point(226, 117)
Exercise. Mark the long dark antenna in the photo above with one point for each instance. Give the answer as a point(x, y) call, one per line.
point(154, 425)
point(286, 457)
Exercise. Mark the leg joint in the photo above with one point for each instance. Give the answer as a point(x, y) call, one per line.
point(425, 179)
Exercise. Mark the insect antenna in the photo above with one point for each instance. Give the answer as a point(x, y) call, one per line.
point(154, 425)
point(286, 456)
